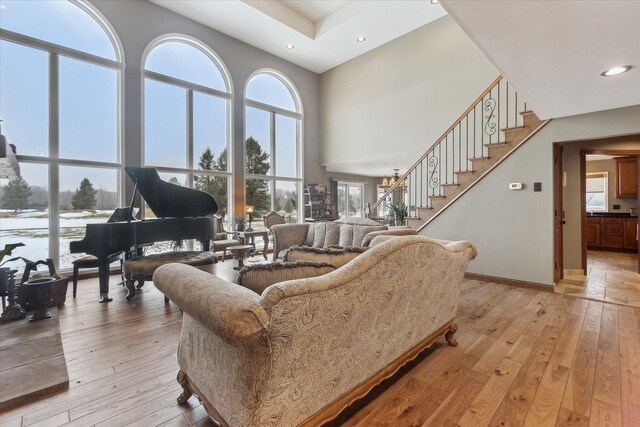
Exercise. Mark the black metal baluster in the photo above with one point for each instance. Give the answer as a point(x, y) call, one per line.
point(421, 186)
point(507, 104)
point(439, 166)
point(498, 112)
point(474, 131)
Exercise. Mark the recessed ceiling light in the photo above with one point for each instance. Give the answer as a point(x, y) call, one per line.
point(615, 71)
point(360, 39)
point(435, 1)
point(290, 46)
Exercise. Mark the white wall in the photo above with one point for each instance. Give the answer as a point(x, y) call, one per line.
point(513, 230)
point(388, 106)
point(137, 23)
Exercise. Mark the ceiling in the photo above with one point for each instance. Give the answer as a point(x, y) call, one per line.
point(554, 52)
point(323, 32)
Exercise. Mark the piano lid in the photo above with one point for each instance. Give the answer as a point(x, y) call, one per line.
point(168, 200)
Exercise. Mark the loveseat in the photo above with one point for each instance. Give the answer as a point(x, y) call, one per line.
point(303, 350)
point(343, 232)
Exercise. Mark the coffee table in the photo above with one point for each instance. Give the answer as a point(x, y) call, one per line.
point(240, 252)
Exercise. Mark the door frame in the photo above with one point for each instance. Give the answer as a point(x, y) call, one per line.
point(583, 197)
point(558, 209)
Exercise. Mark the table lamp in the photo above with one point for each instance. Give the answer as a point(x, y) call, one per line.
point(250, 212)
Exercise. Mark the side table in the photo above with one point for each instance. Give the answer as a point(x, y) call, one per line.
point(249, 238)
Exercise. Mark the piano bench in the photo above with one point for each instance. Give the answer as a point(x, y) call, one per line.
point(142, 268)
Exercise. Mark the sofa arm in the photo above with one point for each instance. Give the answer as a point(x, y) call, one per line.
point(396, 231)
point(230, 311)
point(287, 235)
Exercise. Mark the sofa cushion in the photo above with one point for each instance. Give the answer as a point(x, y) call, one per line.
point(259, 277)
point(335, 255)
point(326, 233)
point(353, 235)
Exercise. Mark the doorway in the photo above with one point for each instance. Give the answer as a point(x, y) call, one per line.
point(586, 207)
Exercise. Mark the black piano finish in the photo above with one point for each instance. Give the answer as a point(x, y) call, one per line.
point(187, 206)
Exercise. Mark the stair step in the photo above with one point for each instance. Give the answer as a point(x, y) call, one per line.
point(464, 172)
point(449, 185)
point(480, 158)
point(497, 144)
point(526, 112)
point(425, 208)
point(437, 197)
point(512, 128)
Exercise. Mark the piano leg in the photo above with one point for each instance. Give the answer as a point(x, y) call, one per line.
point(131, 287)
point(103, 275)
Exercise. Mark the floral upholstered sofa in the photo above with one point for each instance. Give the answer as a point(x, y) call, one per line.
point(301, 351)
point(343, 232)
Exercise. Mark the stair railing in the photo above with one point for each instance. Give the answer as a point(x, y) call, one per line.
point(466, 139)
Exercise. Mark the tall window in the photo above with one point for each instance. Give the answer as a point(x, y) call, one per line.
point(350, 199)
point(60, 92)
point(187, 110)
point(273, 145)
point(597, 195)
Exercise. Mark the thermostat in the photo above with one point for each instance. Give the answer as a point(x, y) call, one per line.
point(515, 186)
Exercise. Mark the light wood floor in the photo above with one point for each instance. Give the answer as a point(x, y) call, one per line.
point(611, 277)
point(524, 358)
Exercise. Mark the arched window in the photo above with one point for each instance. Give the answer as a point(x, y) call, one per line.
point(273, 145)
point(187, 116)
point(60, 93)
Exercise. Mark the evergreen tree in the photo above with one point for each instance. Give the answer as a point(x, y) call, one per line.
point(214, 185)
point(15, 194)
point(85, 196)
point(257, 191)
point(288, 207)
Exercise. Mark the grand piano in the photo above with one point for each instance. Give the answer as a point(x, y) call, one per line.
point(182, 213)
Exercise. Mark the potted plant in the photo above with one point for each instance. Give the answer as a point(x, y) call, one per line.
point(238, 223)
point(399, 212)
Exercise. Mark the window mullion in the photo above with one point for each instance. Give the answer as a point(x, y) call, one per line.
point(189, 141)
point(54, 170)
point(272, 145)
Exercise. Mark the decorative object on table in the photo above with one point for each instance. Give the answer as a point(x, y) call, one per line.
point(38, 293)
point(399, 212)
point(238, 223)
point(58, 286)
point(13, 310)
point(367, 210)
point(240, 252)
point(250, 209)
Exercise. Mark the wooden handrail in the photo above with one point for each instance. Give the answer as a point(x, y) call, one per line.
point(438, 141)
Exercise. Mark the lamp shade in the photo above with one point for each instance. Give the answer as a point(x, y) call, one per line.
point(250, 208)
point(385, 182)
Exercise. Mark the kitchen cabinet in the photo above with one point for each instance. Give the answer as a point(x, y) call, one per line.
point(593, 232)
point(611, 233)
point(626, 177)
point(631, 233)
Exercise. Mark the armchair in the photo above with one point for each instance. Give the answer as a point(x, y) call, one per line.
point(221, 240)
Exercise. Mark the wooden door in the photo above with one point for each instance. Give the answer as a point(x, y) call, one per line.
point(638, 210)
point(558, 214)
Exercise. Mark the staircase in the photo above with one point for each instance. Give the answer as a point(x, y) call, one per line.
point(492, 128)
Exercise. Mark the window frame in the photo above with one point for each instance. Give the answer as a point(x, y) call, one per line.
point(53, 160)
point(298, 115)
point(347, 197)
point(604, 175)
point(191, 167)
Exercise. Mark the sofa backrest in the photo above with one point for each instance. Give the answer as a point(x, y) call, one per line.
point(351, 323)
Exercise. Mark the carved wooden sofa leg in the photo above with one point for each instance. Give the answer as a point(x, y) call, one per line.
point(449, 335)
point(186, 389)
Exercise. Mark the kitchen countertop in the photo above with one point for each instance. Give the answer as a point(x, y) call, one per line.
point(612, 215)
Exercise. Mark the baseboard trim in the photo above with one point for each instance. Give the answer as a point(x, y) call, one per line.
point(510, 282)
